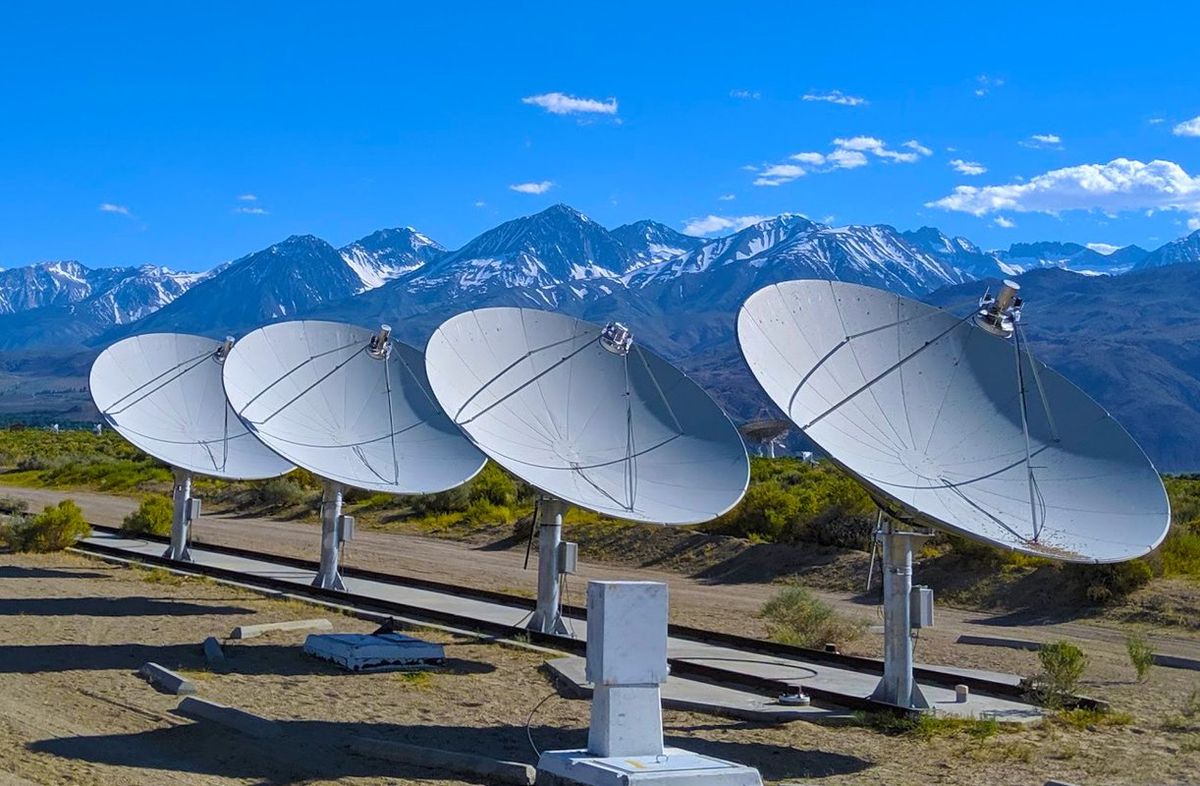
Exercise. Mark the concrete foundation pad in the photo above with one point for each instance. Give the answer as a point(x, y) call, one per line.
point(231, 717)
point(702, 697)
point(166, 680)
point(252, 631)
point(675, 767)
point(213, 652)
point(373, 652)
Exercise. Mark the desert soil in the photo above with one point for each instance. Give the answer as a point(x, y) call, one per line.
point(73, 711)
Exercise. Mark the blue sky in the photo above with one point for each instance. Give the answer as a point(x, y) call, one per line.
point(133, 134)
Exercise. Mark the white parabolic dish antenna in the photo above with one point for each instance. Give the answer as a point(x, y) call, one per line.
point(318, 394)
point(162, 392)
point(952, 426)
point(622, 433)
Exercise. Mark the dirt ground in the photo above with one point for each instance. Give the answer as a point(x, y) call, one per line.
point(73, 711)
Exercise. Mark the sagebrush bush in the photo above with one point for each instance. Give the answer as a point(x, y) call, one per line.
point(1140, 655)
point(1063, 664)
point(11, 506)
point(54, 529)
point(279, 493)
point(797, 616)
point(1112, 582)
point(152, 517)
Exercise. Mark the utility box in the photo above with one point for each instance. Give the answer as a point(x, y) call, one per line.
point(627, 633)
point(345, 528)
point(921, 607)
point(193, 509)
point(568, 557)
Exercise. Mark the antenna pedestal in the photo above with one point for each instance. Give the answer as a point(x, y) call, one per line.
point(552, 563)
point(185, 509)
point(336, 529)
point(626, 664)
point(898, 687)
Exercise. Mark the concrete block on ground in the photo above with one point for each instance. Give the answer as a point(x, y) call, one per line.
point(442, 761)
point(373, 652)
point(998, 641)
point(251, 631)
point(230, 717)
point(166, 680)
point(213, 652)
point(674, 767)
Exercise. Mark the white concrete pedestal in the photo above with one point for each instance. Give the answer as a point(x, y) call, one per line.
point(627, 664)
point(673, 767)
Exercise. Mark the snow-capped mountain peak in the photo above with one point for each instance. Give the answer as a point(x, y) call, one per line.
point(390, 253)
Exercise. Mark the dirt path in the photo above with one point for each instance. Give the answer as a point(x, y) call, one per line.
point(727, 607)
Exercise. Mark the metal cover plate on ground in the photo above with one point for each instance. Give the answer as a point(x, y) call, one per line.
point(162, 392)
point(926, 409)
point(626, 435)
point(314, 393)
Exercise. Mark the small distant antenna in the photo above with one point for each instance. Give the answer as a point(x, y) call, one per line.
point(999, 315)
point(223, 350)
point(381, 345)
point(616, 338)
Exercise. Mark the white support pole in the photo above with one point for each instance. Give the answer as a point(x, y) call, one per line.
point(328, 575)
point(181, 517)
point(898, 687)
point(547, 615)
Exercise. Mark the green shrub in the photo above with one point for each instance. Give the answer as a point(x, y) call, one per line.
point(54, 529)
point(1063, 664)
point(765, 511)
point(1112, 582)
point(1180, 552)
point(1140, 655)
point(455, 500)
point(493, 485)
point(153, 517)
point(11, 506)
point(280, 493)
point(796, 616)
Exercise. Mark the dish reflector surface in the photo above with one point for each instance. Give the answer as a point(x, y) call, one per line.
point(162, 392)
point(626, 435)
point(315, 393)
point(926, 409)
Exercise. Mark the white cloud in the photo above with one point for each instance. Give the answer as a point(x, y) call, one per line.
point(913, 144)
point(109, 207)
point(250, 211)
point(247, 198)
point(1004, 223)
point(1103, 248)
point(1156, 120)
point(877, 147)
point(812, 159)
point(1043, 141)
point(985, 84)
point(847, 153)
point(1194, 223)
point(563, 104)
point(846, 159)
point(532, 188)
point(1188, 127)
point(1121, 185)
point(480, 203)
point(836, 97)
point(710, 224)
point(727, 197)
point(967, 167)
point(751, 95)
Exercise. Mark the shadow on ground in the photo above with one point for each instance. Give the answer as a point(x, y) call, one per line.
point(19, 572)
point(276, 659)
point(113, 607)
point(204, 749)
